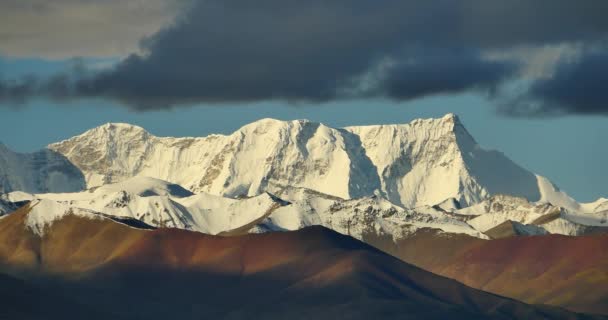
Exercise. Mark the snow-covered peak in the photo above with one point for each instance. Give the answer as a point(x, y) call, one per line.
point(450, 117)
point(108, 132)
point(121, 126)
point(264, 123)
point(116, 127)
point(430, 160)
point(600, 205)
point(106, 135)
point(292, 131)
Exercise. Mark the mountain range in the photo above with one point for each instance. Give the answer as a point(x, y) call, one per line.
point(101, 203)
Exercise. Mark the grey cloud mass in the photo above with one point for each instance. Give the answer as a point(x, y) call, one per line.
point(444, 73)
point(224, 51)
point(577, 86)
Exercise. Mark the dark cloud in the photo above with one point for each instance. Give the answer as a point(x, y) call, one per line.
point(241, 51)
point(443, 73)
point(17, 91)
point(578, 86)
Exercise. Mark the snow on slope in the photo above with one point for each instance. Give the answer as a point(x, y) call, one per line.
point(357, 217)
point(431, 160)
point(551, 194)
point(145, 187)
point(552, 219)
point(138, 186)
point(44, 212)
point(449, 204)
point(42, 171)
point(162, 204)
point(212, 214)
point(215, 214)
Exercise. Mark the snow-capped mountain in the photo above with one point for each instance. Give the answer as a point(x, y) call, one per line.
point(297, 153)
point(421, 163)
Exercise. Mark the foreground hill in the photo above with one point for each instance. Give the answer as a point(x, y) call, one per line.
point(170, 273)
point(571, 272)
point(434, 238)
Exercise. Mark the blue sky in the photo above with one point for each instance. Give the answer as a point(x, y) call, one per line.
point(569, 150)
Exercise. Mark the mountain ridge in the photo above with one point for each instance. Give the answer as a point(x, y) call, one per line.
point(420, 163)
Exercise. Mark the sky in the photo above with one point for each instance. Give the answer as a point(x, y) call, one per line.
point(527, 78)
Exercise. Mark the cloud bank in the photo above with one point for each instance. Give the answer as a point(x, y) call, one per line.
point(227, 51)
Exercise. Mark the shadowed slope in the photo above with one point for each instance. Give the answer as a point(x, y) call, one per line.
point(570, 272)
point(22, 300)
point(163, 273)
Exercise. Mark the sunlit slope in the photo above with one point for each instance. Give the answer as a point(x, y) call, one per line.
point(571, 272)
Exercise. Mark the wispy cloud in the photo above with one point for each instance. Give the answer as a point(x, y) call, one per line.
point(61, 29)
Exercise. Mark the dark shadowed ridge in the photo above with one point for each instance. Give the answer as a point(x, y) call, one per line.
point(22, 300)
